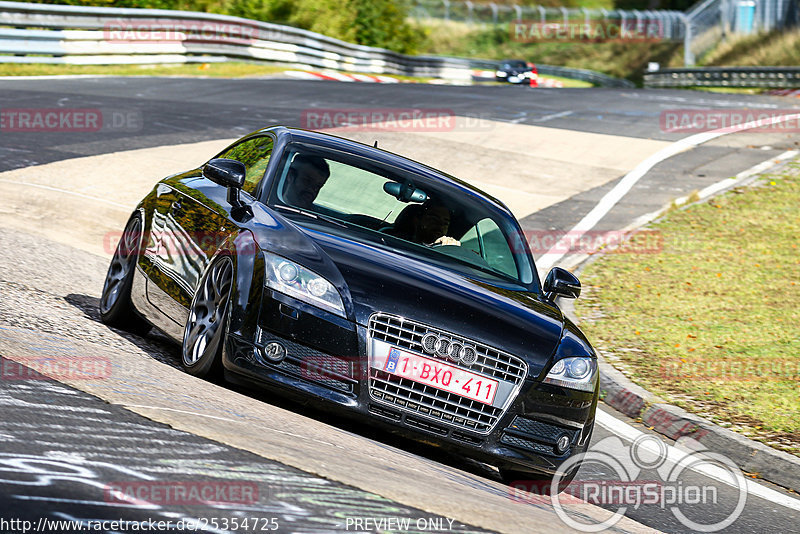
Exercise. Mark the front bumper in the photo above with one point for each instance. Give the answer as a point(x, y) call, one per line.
point(327, 360)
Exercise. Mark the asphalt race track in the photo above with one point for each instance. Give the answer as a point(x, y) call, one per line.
point(292, 468)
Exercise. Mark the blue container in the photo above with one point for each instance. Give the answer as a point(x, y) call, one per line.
point(745, 17)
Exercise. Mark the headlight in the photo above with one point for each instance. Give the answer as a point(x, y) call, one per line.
point(295, 280)
point(501, 74)
point(574, 373)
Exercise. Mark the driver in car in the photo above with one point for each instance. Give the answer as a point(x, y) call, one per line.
point(306, 177)
point(426, 224)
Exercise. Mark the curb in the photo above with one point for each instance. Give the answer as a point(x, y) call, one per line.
point(619, 392)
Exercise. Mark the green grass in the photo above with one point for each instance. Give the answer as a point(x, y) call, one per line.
point(214, 70)
point(730, 90)
point(712, 322)
point(759, 50)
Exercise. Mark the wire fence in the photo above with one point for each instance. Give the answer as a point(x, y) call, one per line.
point(700, 28)
point(469, 12)
point(712, 21)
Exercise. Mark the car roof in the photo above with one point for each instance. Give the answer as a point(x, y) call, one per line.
point(380, 156)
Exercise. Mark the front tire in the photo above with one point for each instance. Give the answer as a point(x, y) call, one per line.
point(116, 308)
point(206, 327)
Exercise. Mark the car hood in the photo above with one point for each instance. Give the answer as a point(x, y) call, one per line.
point(371, 279)
point(379, 280)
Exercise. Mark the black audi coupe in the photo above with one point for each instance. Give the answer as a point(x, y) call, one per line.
point(350, 276)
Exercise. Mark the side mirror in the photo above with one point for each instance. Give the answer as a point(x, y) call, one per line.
point(561, 283)
point(228, 173)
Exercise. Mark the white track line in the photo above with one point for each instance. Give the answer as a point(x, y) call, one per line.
point(755, 169)
point(67, 192)
point(554, 116)
point(611, 198)
point(712, 189)
point(675, 455)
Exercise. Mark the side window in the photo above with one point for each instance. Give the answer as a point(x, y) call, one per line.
point(255, 154)
point(471, 242)
point(351, 190)
point(496, 249)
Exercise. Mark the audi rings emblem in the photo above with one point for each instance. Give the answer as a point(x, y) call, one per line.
point(445, 347)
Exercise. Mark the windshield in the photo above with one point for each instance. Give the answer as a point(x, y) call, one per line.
point(393, 208)
point(515, 65)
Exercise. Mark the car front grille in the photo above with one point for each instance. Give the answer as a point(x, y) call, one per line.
point(448, 408)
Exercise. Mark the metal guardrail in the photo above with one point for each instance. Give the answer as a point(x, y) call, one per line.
point(80, 35)
point(49, 33)
point(591, 76)
point(767, 77)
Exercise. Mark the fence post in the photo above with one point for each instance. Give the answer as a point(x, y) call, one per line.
point(688, 56)
point(469, 11)
point(446, 9)
point(723, 18)
point(518, 10)
point(542, 15)
point(494, 13)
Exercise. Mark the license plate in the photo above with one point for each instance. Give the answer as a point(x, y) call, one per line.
point(441, 376)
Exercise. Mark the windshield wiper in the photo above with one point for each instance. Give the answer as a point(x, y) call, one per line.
point(312, 215)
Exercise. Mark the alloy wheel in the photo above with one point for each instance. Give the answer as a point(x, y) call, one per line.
point(121, 265)
point(207, 314)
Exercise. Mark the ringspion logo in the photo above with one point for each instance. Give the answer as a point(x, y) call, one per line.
point(671, 484)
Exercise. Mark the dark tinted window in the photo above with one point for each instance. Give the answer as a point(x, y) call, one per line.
point(396, 208)
point(255, 154)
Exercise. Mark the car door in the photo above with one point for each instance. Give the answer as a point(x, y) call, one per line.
point(196, 222)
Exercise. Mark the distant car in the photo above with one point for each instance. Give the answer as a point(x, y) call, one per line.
point(268, 272)
point(514, 71)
